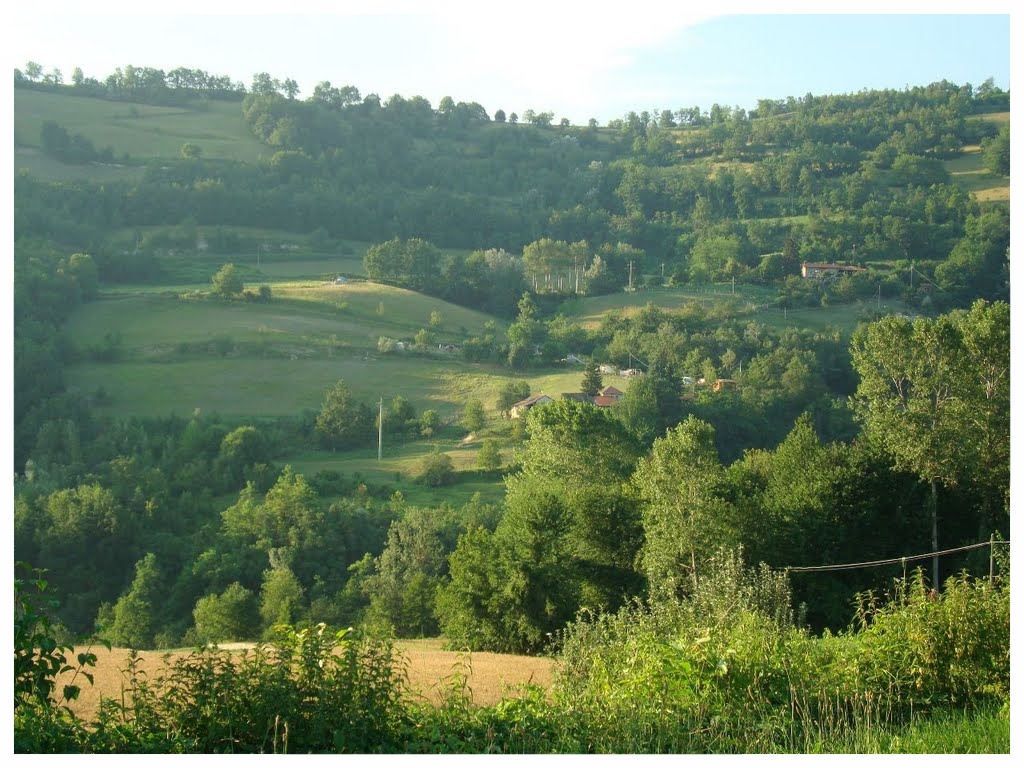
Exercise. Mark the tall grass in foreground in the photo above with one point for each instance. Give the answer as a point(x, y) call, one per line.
point(727, 670)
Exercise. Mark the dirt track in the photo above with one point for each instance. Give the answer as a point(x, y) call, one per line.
point(430, 672)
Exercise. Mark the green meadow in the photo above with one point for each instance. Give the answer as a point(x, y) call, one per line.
point(175, 351)
point(138, 131)
point(968, 171)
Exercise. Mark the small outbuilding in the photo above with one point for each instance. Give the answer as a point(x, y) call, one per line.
point(520, 408)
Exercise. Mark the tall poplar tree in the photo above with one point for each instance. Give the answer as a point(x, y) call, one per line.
point(916, 401)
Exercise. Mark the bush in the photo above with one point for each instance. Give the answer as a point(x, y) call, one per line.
point(436, 470)
point(935, 649)
point(43, 721)
point(228, 281)
point(311, 691)
point(727, 669)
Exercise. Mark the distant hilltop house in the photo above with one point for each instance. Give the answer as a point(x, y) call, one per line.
point(520, 408)
point(819, 271)
point(723, 384)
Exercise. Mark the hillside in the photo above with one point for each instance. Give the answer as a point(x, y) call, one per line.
point(267, 352)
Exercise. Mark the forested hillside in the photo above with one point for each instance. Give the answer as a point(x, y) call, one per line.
point(813, 296)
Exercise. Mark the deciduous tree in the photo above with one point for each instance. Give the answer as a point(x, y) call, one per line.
point(228, 281)
point(911, 399)
point(343, 422)
point(473, 415)
point(685, 519)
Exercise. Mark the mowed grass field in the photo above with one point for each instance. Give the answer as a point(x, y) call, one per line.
point(968, 171)
point(246, 362)
point(235, 358)
point(140, 131)
point(749, 302)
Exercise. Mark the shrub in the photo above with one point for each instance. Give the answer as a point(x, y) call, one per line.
point(43, 722)
point(489, 457)
point(436, 470)
point(310, 691)
point(932, 649)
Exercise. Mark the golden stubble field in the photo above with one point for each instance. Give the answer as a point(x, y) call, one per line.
point(430, 671)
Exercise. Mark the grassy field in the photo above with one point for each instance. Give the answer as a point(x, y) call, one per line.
point(140, 131)
point(748, 302)
point(969, 172)
point(46, 168)
point(246, 361)
point(303, 319)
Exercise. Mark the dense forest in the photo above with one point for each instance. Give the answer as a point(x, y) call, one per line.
point(835, 445)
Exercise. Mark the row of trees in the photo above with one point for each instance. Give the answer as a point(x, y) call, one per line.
point(147, 85)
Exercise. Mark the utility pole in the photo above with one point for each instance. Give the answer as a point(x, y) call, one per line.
point(380, 427)
point(630, 275)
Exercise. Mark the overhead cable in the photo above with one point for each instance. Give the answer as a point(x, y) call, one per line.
point(890, 561)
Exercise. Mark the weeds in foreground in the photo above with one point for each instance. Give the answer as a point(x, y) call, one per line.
point(716, 674)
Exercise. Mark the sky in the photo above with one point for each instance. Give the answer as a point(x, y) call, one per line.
point(577, 60)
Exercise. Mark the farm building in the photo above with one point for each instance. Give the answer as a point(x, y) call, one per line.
point(603, 399)
point(520, 408)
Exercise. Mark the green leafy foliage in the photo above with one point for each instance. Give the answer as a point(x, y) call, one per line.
point(312, 691)
point(343, 422)
point(228, 281)
point(436, 470)
point(230, 616)
point(684, 517)
point(42, 718)
point(489, 458)
point(473, 415)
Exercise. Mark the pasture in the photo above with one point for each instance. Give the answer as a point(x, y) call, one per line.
point(152, 353)
point(968, 171)
point(302, 320)
point(748, 302)
point(138, 131)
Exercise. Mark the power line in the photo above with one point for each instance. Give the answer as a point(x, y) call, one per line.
point(890, 561)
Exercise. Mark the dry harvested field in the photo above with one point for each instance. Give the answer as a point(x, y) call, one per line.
point(429, 669)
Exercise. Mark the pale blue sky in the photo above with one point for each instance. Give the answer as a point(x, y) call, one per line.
point(577, 60)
